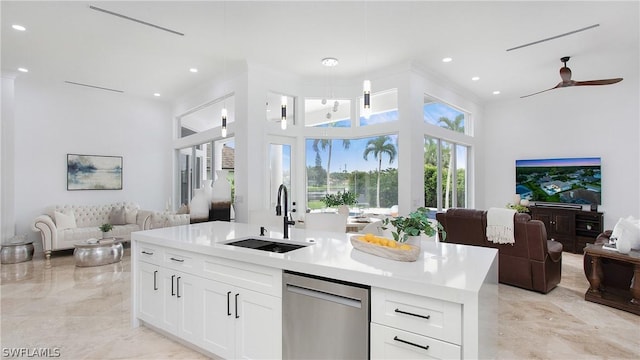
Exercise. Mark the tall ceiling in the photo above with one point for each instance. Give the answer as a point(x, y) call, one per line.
point(69, 41)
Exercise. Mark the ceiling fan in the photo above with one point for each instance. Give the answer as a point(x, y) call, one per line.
point(565, 74)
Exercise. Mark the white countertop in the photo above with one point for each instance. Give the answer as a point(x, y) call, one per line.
point(455, 272)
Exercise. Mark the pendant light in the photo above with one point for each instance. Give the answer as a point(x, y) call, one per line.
point(223, 113)
point(366, 85)
point(283, 111)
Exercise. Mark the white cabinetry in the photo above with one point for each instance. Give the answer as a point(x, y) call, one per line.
point(229, 308)
point(407, 326)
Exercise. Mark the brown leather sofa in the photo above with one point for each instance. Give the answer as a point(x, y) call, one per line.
point(615, 274)
point(532, 263)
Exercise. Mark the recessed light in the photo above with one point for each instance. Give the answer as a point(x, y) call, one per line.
point(193, 70)
point(330, 62)
point(496, 92)
point(447, 59)
point(156, 94)
point(475, 78)
point(18, 27)
point(23, 70)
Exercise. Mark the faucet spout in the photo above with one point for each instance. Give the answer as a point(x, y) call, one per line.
point(286, 221)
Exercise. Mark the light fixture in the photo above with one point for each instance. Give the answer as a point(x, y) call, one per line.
point(496, 92)
point(447, 59)
point(193, 70)
point(24, 70)
point(18, 27)
point(475, 78)
point(223, 132)
point(156, 94)
point(366, 88)
point(330, 62)
point(283, 120)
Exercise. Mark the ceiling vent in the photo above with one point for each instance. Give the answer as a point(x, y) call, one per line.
point(135, 20)
point(554, 37)
point(93, 86)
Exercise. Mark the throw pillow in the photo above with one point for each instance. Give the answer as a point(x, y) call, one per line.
point(628, 231)
point(184, 209)
point(117, 216)
point(65, 220)
point(130, 216)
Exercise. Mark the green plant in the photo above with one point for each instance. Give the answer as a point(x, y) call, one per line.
point(340, 198)
point(519, 208)
point(414, 224)
point(106, 227)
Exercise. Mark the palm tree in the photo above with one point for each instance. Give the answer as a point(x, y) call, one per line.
point(379, 146)
point(328, 144)
point(456, 125)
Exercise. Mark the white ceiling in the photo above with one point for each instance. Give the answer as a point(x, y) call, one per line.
point(68, 41)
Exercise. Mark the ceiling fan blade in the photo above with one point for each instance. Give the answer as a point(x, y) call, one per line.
point(536, 93)
point(598, 82)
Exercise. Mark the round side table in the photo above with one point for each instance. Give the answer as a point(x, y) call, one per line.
point(16, 252)
point(105, 251)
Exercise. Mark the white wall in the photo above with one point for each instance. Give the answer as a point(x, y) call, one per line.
point(598, 121)
point(54, 119)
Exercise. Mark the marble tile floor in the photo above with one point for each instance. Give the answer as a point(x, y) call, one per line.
point(84, 313)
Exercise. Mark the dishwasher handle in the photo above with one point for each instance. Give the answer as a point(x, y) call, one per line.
point(323, 295)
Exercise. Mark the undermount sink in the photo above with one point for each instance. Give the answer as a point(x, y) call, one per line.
point(266, 245)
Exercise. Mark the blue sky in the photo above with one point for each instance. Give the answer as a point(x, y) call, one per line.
point(352, 158)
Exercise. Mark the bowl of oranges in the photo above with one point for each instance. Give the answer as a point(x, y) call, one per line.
point(385, 247)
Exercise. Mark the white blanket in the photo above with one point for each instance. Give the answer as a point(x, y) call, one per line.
point(500, 226)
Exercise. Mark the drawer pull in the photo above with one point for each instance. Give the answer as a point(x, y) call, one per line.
point(173, 291)
point(155, 280)
point(178, 287)
point(178, 260)
point(412, 314)
point(147, 253)
point(228, 310)
point(424, 347)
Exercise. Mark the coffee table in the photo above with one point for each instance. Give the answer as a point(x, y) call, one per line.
point(105, 251)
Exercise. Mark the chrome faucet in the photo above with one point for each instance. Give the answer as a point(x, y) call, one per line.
point(285, 217)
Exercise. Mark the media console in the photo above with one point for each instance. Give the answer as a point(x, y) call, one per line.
point(571, 226)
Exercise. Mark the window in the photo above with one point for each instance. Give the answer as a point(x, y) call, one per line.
point(207, 116)
point(327, 112)
point(280, 172)
point(367, 167)
point(445, 164)
point(384, 108)
point(442, 115)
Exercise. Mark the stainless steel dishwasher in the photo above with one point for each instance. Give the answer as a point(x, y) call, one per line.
point(324, 318)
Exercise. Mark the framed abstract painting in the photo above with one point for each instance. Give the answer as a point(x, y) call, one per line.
point(94, 172)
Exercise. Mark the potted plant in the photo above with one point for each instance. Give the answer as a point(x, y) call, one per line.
point(518, 208)
point(414, 224)
point(105, 228)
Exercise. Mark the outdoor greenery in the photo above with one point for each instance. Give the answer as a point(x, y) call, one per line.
point(340, 198)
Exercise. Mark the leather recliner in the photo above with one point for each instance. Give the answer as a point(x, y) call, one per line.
point(533, 262)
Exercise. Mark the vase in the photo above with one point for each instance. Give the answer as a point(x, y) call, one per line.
point(220, 208)
point(199, 206)
point(414, 240)
point(208, 190)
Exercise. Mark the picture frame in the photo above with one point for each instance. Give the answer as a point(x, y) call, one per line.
point(94, 172)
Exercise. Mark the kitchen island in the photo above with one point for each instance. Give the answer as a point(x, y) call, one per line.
point(226, 301)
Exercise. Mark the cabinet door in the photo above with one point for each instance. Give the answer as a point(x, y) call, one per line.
point(258, 326)
point(545, 217)
point(189, 293)
point(564, 223)
point(169, 320)
point(218, 318)
point(149, 293)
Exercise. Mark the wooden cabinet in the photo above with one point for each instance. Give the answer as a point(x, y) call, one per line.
point(574, 228)
point(406, 326)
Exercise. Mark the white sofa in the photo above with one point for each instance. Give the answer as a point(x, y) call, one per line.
point(87, 219)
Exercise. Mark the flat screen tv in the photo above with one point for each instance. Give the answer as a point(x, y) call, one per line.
point(564, 180)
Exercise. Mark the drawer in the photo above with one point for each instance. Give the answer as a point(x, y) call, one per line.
point(390, 343)
point(183, 261)
point(259, 278)
point(149, 253)
point(418, 314)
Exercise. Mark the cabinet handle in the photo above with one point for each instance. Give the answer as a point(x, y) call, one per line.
point(147, 253)
point(237, 316)
point(178, 260)
point(178, 286)
point(173, 293)
point(412, 314)
point(155, 280)
point(425, 347)
point(228, 305)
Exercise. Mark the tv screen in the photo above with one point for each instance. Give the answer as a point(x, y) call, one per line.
point(564, 180)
